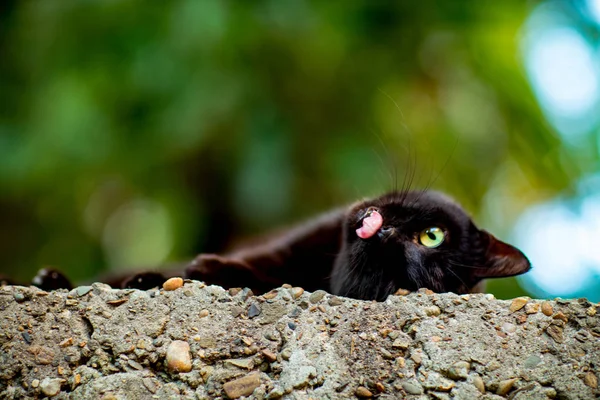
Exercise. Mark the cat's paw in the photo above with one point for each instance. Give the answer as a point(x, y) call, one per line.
point(50, 279)
point(222, 271)
point(143, 281)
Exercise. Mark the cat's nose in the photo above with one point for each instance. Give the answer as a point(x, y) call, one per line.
point(386, 232)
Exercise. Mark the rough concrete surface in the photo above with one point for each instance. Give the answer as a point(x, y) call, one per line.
point(198, 342)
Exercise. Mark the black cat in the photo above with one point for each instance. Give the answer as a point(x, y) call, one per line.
point(408, 240)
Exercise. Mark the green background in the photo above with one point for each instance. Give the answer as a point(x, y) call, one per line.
point(140, 133)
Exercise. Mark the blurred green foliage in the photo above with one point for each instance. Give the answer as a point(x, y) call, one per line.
point(138, 133)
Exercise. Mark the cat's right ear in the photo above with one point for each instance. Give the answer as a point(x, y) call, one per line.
point(501, 259)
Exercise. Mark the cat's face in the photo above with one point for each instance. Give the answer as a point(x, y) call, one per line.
point(417, 240)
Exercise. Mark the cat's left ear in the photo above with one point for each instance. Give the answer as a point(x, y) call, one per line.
point(501, 259)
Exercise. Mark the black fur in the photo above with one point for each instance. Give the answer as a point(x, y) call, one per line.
point(326, 253)
point(394, 258)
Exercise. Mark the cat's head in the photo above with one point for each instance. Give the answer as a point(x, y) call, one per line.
point(415, 240)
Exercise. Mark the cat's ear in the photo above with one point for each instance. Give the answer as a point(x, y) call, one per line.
point(501, 259)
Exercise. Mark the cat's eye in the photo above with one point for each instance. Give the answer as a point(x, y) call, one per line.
point(432, 237)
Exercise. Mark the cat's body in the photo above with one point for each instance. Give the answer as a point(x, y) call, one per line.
point(370, 250)
point(408, 240)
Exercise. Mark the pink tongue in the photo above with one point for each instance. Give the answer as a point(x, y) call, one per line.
point(370, 226)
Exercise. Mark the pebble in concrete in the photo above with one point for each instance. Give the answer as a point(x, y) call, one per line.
point(243, 386)
point(50, 387)
point(178, 356)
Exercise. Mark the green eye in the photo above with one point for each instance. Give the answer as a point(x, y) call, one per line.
point(432, 237)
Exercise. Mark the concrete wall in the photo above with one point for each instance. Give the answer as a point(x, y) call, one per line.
point(204, 342)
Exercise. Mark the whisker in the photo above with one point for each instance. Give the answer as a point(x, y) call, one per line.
point(464, 265)
point(457, 277)
point(390, 160)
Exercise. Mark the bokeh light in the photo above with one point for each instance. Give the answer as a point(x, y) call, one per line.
point(560, 235)
point(564, 71)
point(139, 136)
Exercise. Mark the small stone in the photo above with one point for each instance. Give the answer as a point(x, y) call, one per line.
point(27, 337)
point(276, 393)
point(66, 343)
point(206, 342)
point(532, 361)
point(386, 354)
point(317, 296)
point(292, 325)
point(150, 385)
point(478, 383)
point(35, 383)
point(532, 308)
point(582, 336)
point(234, 290)
point(591, 380)
point(380, 388)
point(244, 363)
point(178, 356)
point(295, 312)
point(19, 297)
point(556, 333)
point(335, 301)
point(412, 388)
point(547, 308)
point(401, 292)
point(401, 343)
point(271, 335)
point(561, 316)
point(363, 392)
point(492, 366)
point(286, 354)
point(591, 311)
point(518, 303)
point(271, 295)
point(83, 290)
point(203, 313)
point(417, 358)
point(50, 387)
point(247, 293)
point(296, 292)
point(173, 284)
point(236, 311)
point(505, 386)
point(117, 302)
point(43, 355)
point(269, 355)
point(253, 310)
point(341, 386)
point(459, 370)
point(433, 311)
point(507, 327)
point(243, 386)
point(135, 365)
